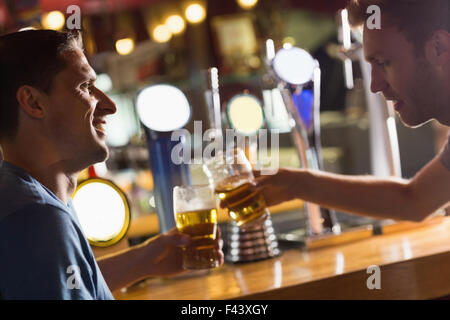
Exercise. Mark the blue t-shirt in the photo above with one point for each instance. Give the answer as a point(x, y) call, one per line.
point(43, 251)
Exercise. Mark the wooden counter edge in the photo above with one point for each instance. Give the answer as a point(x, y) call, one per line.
point(420, 278)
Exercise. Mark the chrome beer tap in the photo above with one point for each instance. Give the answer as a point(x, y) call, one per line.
point(298, 77)
point(384, 148)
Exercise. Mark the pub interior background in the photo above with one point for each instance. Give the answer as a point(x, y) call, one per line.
point(231, 38)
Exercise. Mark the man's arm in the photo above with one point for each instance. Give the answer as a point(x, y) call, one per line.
point(161, 255)
point(157, 257)
point(364, 195)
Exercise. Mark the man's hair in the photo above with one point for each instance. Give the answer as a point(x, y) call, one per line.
point(32, 58)
point(416, 19)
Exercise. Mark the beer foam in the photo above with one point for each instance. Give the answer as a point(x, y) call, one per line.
point(196, 205)
point(233, 182)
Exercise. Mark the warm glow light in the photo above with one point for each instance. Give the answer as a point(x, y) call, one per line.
point(247, 4)
point(53, 20)
point(176, 24)
point(245, 114)
point(289, 41)
point(195, 13)
point(125, 46)
point(102, 210)
point(27, 28)
point(162, 33)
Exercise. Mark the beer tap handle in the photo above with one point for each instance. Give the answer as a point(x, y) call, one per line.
point(212, 97)
point(346, 43)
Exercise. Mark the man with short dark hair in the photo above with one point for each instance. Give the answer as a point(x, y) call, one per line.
point(52, 121)
point(410, 58)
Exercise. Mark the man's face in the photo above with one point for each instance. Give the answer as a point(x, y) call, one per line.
point(401, 75)
point(77, 111)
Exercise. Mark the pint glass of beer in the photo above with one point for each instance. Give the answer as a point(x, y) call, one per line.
point(196, 216)
point(231, 175)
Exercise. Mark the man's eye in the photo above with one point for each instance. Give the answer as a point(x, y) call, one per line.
point(87, 86)
point(382, 63)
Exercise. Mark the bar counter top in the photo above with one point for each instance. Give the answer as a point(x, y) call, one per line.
point(414, 264)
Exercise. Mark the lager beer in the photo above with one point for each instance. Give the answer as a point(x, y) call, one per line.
point(244, 202)
point(200, 225)
point(196, 216)
point(232, 177)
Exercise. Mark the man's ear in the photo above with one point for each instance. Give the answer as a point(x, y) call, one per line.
point(30, 101)
point(437, 49)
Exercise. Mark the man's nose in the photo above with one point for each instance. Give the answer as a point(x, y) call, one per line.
point(378, 82)
point(104, 102)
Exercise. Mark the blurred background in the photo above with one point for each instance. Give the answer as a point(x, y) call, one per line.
point(136, 43)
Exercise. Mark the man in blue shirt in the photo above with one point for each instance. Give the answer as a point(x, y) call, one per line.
point(52, 121)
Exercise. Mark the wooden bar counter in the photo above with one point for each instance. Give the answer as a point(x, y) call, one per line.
point(414, 264)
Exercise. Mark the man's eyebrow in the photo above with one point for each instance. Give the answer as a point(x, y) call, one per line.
point(91, 77)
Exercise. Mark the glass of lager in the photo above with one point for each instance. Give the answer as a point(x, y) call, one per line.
point(231, 175)
point(196, 216)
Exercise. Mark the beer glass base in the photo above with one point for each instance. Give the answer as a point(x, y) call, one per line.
point(195, 259)
point(258, 221)
point(252, 244)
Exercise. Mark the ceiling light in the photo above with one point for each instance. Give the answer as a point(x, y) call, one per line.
point(53, 20)
point(125, 46)
point(176, 24)
point(247, 4)
point(195, 13)
point(162, 33)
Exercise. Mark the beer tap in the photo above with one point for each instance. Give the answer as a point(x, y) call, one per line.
point(244, 114)
point(212, 98)
point(385, 154)
point(298, 77)
point(163, 110)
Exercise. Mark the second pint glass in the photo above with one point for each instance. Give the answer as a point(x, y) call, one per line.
point(232, 177)
point(196, 216)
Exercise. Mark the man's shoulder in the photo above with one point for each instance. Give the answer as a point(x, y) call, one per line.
point(40, 219)
point(18, 192)
point(38, 243)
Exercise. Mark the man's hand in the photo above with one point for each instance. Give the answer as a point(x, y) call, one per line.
point(276, 188)
point(160, 256)
point(163, 254)
point(279, 187)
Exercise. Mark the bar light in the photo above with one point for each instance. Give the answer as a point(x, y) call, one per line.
point(247, 4)
point(53, 20)
point(162, 33)
point(176, 24)
point(245, 114)
point(195, 13)
point(163, 108)
point(294, 65)
point(124, 46)
point(103, 211)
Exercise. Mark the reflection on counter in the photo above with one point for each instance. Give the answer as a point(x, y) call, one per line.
point(329, 273)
